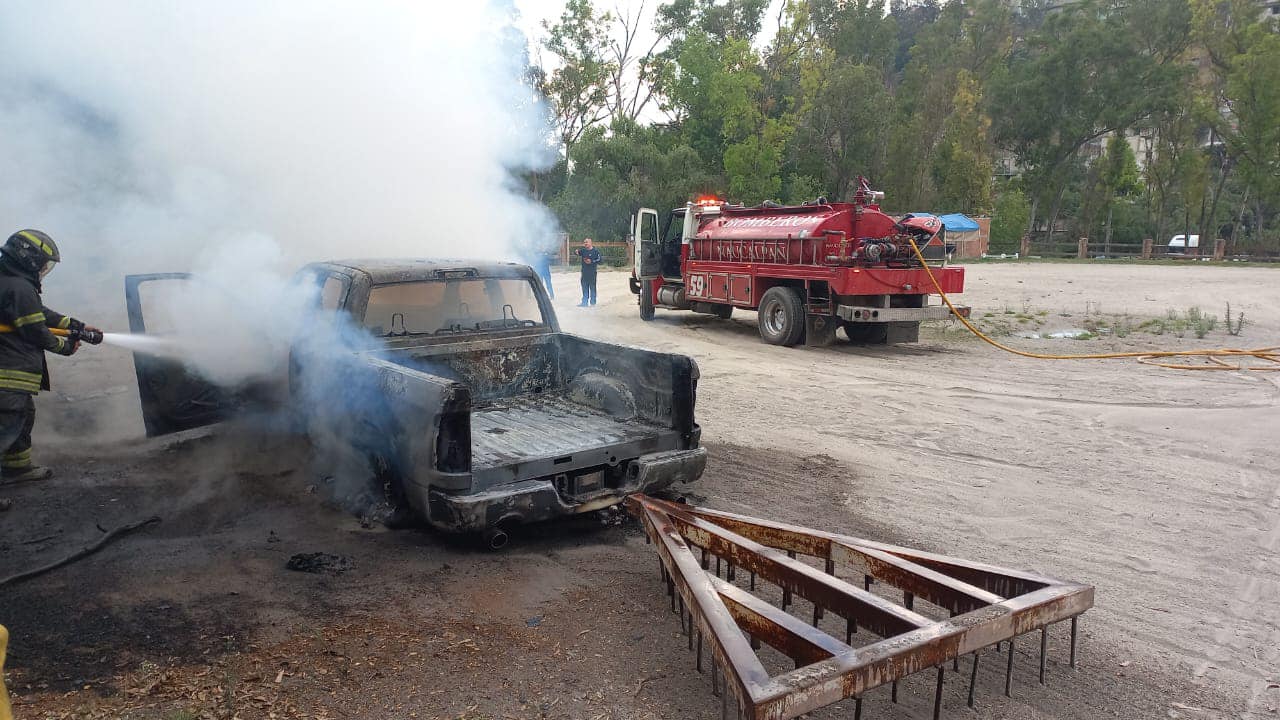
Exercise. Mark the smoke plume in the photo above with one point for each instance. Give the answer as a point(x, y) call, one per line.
point(241, 138)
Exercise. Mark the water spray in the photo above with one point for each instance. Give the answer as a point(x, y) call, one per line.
point(136, 343)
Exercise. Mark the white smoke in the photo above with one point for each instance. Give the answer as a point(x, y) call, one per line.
point(241, 138)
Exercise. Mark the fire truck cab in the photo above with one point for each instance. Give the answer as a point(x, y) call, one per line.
point(807, 270)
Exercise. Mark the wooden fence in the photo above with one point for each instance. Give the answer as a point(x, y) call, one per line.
point(618, 254)
point(1085, 249)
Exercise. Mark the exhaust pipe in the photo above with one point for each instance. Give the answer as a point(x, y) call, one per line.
point(495, 538)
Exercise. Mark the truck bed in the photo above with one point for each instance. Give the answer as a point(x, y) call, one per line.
point(547, 428)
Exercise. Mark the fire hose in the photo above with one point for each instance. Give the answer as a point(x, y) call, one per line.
point(93, 337)
point(1147, 357)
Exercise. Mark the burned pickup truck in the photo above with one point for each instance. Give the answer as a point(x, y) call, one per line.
point(454, 386)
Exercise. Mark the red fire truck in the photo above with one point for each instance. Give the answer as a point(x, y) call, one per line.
point(806, 269)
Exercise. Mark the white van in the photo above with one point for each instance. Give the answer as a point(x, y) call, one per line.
point(1178, 244)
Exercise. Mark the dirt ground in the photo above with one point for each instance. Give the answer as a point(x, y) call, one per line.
point(1159, 487)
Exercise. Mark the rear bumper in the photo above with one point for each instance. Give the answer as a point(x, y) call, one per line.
point(539, 499)
point(859, 313)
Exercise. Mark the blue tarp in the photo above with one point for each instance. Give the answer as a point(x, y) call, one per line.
point(958, 223)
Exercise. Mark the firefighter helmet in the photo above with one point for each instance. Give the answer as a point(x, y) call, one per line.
point(32, 250)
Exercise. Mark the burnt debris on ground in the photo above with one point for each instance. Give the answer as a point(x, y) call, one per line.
point(319, 562)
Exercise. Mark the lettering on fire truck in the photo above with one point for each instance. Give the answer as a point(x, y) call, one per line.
point(697, 285)
point(754, 222)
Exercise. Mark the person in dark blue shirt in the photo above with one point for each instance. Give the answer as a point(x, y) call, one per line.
point(590, 257)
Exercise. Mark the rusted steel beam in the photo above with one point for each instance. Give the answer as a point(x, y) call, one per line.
point(873, 612)
point(726, 644)
point(844, 676)
point(965, 578)
point(828, 670)
point(920, 581)
point(780, 630)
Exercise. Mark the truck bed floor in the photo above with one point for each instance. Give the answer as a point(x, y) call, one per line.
point(545, 426)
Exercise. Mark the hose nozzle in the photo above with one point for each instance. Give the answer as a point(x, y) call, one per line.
point(93, 337)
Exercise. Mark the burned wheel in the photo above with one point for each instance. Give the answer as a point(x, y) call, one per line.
point(781, 316)
point(646, 301)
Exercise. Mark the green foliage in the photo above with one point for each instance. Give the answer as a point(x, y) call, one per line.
point(1253, 93)
point(1194, 319)
point(858, 32)
point(801, 189)
point(843, 126)
point(615, 174)
point(1120, 168)
point(753, 165)
point(933, 101)
point(1087, 71)
point(1233, 328)
point(578, 89)
point(1009, 221)
point(962, 166)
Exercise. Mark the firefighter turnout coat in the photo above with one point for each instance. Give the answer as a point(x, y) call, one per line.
point(22, 362)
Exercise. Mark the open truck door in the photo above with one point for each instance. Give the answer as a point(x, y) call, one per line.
point(173, 397)
point(647, 263)
point(648, 246)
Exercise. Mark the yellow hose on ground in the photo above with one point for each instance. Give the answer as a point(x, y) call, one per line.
point(1148, 357)
point(6, 712)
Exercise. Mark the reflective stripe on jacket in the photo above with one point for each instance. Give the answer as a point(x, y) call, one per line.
point(22, 361)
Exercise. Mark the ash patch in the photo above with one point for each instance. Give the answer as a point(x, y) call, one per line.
point(320, 563)
point(66, 640)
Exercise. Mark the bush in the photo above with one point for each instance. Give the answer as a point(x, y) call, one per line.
point(1009, 221)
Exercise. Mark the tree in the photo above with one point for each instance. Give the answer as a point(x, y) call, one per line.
point(628, 167)
point(968, 38)
point(578, 89)
point(962, 167)
point(843, 126)
point(1009, 221)
point(720, 19)
point(1089, 70)
point(1118, 178)
point(714, 89)
point(1243, 67)
point(910, 18)
point(629, 96)
point(1174, 161)
point(858, 32)
point(753, 165)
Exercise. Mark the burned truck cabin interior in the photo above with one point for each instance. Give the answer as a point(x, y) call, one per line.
point(466, 303)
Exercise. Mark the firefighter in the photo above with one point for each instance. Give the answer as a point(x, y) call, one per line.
point(590, 257)
point(25, 259)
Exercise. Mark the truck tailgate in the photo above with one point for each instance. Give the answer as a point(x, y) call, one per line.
point(550, 428)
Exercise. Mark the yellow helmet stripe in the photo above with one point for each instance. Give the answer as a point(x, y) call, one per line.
point(35, 240)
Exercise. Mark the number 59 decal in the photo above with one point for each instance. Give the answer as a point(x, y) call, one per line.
point(697, 285)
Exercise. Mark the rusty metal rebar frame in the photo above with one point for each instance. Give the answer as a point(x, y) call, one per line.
point(987, 605)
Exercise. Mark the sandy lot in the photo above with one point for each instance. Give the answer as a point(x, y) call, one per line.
point(1161, 488)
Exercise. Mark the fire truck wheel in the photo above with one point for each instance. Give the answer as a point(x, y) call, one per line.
point(722, 311)
point(646, 301)
point(781, 316)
